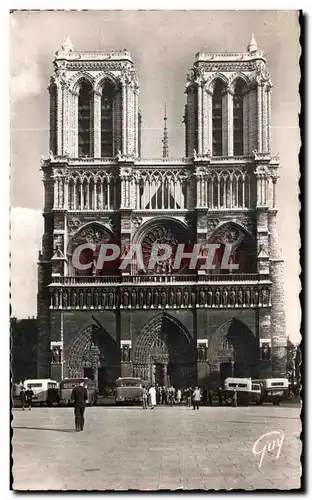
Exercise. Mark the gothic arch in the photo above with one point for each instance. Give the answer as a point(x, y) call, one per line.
point(233, 341)
point(160, 221)
point(243, 247)
point(235, 78)
point(229, 225)
point(105, 77)
point(76, 81)
point(80, 234)
point(91, 348)
point(211, 82)
point(165, 341)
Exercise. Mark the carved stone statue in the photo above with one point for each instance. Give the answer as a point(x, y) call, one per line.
point(265, 352)
point(163, 299)
point(156, 297)
point(89, 299)
point(126, 353)
point(65, 300)
point(254, 297)
point(193, 299)
point(111, 299)
point(233, 297)
point(264, 297)
point(74, 299)
point(104, 299)
point(247, 297)
point(141, 299)
point(55, 355)
point(171, 298)
point(56, 299)
point(149, 298)
point(240, 297)
point(186, 297)
point(81, 299)
point(96, 299)
point(179, 297)
point(209, 297)
point(125, 298)
point(225, 298)
point(202, 297)
point(133, 298)
point(217, 297)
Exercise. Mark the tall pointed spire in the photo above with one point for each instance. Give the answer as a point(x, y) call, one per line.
point(165, 136)
point(252, 46)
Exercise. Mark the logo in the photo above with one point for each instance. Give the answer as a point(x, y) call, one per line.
point(270, 442)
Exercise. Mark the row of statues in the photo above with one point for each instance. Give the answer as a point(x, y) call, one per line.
point(161, 297)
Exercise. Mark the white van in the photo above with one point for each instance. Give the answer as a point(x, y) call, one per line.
point(45, 391)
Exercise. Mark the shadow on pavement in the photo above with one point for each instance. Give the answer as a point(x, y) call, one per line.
point(43, 429)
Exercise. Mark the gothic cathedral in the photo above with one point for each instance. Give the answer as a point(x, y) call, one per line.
point(166, 326)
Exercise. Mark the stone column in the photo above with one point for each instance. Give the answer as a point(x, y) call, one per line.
point(278, 327)
point(97, 123)
point(60, 113)
point(259, 117)
point(200, 118)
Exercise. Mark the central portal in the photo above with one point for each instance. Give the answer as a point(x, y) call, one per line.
point(165, 354)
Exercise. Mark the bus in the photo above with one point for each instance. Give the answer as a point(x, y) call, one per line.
point(128, 390)
point(247, 391)
point(68, 384)
point(45, 391)
point(274, 390)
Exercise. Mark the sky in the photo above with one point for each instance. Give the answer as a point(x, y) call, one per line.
point(163, 45)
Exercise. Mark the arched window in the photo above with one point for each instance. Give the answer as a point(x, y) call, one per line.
point(238, 123)
point(217, 144)
point(107, 135)
point(85, 139)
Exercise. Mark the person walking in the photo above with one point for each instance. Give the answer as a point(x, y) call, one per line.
point(189, 397)
point(210, 397)
point(22, 397)
point(29, 394)
point(79, 396)
point(220, 395)
point(152, 396)
point(144, 398)
point(179, 395)
point(196, 398)
point(234, 399)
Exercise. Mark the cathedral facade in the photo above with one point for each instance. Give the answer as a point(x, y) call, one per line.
point(179, 326)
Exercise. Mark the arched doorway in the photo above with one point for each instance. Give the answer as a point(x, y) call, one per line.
point(165, 353)
point(94, 354)
point(233, 352)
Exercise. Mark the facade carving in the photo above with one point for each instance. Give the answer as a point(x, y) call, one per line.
point(98, 189)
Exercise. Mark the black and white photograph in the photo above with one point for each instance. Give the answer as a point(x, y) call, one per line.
point(154, 245)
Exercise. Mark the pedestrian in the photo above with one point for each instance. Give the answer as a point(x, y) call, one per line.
point(234, 399)
point(144, 398)
point(220, 395)
point(29, 394)
point(22, 397)
point(179, 395)
point(189, 397)
point(170, 396)
point(196, 398)
point(152, 396)
point(164, 395)
point(210, 397)
point(79, 396)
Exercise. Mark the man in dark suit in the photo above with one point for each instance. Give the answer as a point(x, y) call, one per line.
point(80, 396)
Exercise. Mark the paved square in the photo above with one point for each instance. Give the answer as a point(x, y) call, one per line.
point(164, 448)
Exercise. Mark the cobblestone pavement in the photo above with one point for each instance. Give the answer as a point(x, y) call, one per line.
point(164, 448)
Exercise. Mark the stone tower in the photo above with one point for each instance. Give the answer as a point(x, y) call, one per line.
point(164, 325)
